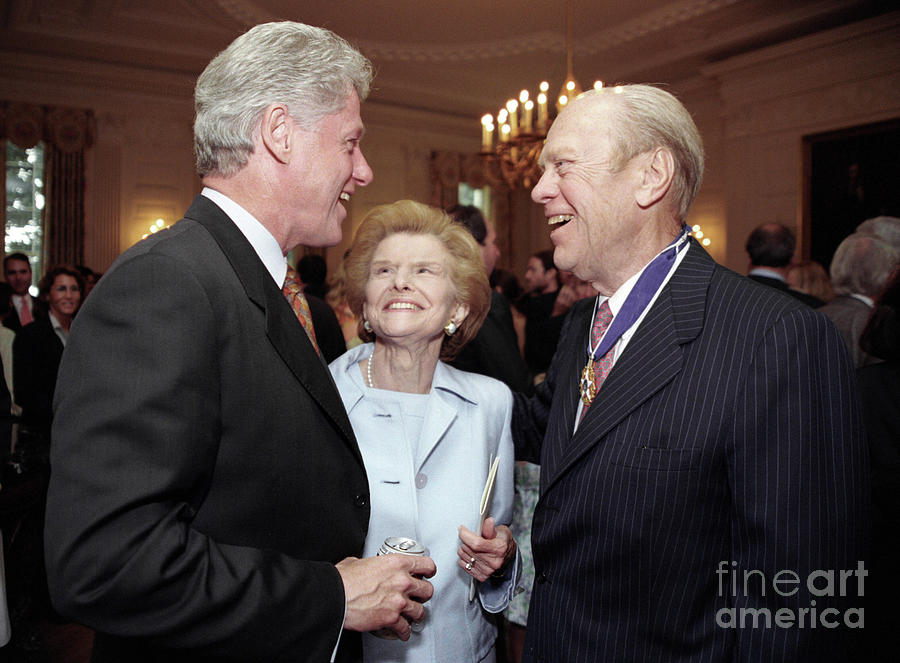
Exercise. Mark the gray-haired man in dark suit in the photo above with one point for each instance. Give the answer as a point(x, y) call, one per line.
point(702, 459)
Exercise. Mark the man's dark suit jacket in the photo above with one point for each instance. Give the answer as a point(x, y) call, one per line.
point(37, 351)
point(809, 300)
point(495, 350)
point(205, 477)
point(727, 431)
point(11, 319)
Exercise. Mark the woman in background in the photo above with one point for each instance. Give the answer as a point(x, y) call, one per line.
point(428, 432)
point(38, 348)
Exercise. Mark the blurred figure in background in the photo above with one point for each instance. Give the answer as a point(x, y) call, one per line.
point(810, 277)
point(541, 331)
point(771, 250)
point(7, 336)
point(880, 389)
point(337, 300)
point(507, 284)
point(38, 347)
point(23, 307)
point(860, 269)
point(495, 349)
point(885, 228)
point(313, 271)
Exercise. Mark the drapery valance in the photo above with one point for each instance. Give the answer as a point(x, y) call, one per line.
point(65, 129)
point(66, 134)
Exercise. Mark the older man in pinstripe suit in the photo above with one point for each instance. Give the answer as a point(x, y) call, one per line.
point(704, 475)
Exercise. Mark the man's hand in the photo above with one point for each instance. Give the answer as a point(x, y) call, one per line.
point(491, 551)
point(382, 591)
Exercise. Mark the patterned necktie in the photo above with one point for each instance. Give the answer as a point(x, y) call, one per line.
point(293, 290)
point(595, 371)
point(25, 313)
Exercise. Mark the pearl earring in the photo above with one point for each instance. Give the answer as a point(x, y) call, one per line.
point(367, 326)
point(450, 328)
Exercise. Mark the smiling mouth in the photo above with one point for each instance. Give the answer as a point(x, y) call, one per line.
point(559, 220)
point(402, 306)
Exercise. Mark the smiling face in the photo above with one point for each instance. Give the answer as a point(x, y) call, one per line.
point(64, 296)
point(592, 210)
point(326, 166)
point(409, 295)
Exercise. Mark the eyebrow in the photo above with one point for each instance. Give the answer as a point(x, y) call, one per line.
point(420, 263)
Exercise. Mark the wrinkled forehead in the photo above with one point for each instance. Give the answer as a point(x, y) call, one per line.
point(586, 125)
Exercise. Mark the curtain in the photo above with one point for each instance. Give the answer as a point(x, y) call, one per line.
point(66, 134)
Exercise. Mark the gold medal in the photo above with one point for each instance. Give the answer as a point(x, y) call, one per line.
point(588, 388)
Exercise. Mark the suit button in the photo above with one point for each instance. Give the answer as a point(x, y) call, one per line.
point(542, 577)
point(421, 480)
point(361, 500)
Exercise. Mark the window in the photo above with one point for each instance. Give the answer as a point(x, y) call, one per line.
point(480, 198)
point(25, 204)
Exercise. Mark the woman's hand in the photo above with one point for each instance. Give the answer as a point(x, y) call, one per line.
point(485, 555)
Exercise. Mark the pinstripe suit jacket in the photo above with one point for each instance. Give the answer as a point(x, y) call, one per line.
point(728, 431)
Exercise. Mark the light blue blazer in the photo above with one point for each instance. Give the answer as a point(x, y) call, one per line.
point(428, 493)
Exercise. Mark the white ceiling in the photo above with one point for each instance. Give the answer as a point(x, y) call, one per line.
point(463, 57)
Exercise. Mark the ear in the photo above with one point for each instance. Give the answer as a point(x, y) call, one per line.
point(460, 313)
point(657, 173)
point(276, 131)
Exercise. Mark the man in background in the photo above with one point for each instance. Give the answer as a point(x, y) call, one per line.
point(771, 250)
point(541, 328)
point(495, 350)
point(23, 307)
point(860, 269)
point(208, 497)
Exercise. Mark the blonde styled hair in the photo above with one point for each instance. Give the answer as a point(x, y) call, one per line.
point(810, 277)
point(466, 267)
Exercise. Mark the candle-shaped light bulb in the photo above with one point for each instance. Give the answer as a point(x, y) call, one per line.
point(501, 116)
point(504, 133)
point(487, 131)
point(545, 86)
point(523, 97)
point(598, 85)
point(512, 106)
point(542, 109)
point(529, 109)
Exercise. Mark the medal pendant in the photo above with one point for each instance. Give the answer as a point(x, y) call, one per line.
point(588, 388)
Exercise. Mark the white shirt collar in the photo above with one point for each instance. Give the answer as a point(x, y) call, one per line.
point(262, 241)
point(868, 301)
point(768, 273)
point(58, 328)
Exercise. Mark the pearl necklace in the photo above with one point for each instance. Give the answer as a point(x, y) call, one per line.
point(369, 371)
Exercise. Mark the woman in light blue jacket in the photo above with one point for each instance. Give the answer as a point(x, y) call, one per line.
point(428, 432)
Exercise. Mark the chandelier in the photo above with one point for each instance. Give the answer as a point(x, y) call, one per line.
point(511, 160)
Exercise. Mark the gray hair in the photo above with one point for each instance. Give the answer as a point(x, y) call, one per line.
point(886, 228)
point(862, 265)
point(649, 117)
point(310, 69)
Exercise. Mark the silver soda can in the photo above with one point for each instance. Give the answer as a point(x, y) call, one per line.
point(401, 545)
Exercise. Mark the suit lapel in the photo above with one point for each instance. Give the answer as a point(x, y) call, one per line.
point(282, 327)
point(652, 359)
